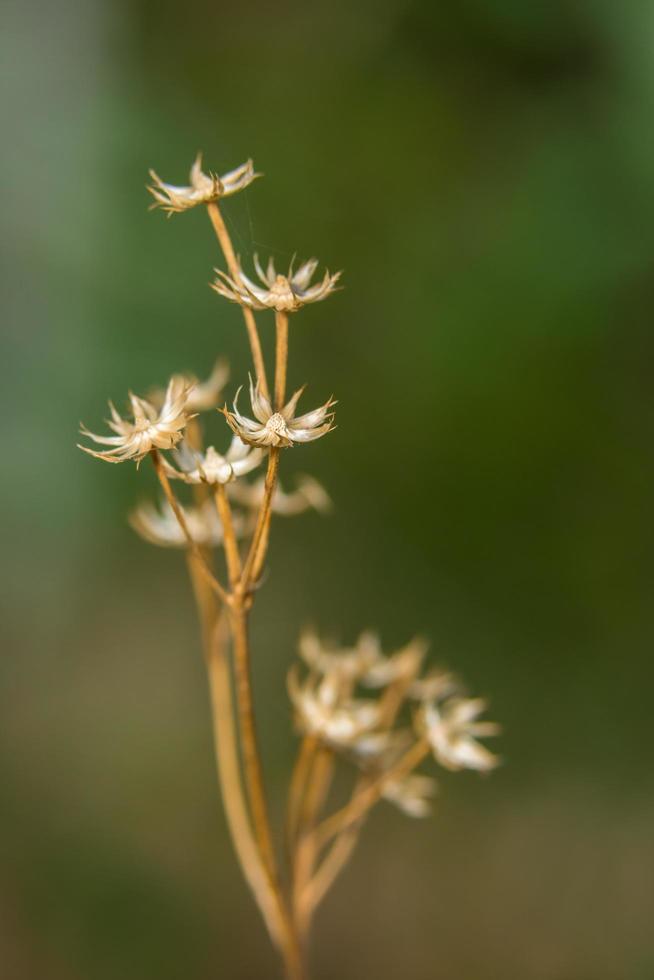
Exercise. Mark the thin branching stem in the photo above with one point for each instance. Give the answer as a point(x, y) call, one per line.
point(225, 242)
point(222, 593)
point(281, 358)
point(301, 772)
point(232, 555)
point(249, 743)
point(332, 864)
point(215, 637)
point(256, 555)
point(362, 801)
point(290, 946)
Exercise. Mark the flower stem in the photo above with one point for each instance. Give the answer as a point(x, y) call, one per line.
point(251, 758)
point(258, 547)
point(232, 555)
point(301, 772)
point(367, 797)
point(290, 946)
point(225, 241)
point(181, 520)
point(281, 358)
point(230, 783)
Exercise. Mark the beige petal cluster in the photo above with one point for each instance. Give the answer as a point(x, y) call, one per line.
point(412, 794)
point(346, 662)
point(309, 494)
point(202, 187)
point(373, 732)
point(321, 710)
point(283, 429)
point(453, 729)
point(149, 428)
point(365, 662)
point(203, 395)
point(401, 666)
point(160, 526)
point(434, 686)
point(285, 294)
point(210, 466)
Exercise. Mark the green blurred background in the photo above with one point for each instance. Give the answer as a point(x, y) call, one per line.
point(484, 172)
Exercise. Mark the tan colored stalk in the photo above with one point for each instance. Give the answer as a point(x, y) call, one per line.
point(250, 749)
point(232, 555)
point(281, 358)
point(181, 520)
point(301, 772)
point(225, 242)
point(310, 894)
point(255, 784)
point(214, 640)
point(259, 544)
point(316, 790)
point(333, 863)
point(194, 436)
point(362, 801)
point(232, 792)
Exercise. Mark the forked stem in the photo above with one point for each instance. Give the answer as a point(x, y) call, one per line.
point(195, 549)
point(232, 555)
point(362, 801)
point(249, 744)
point(258, 547)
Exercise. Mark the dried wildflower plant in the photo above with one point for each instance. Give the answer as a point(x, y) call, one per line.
point(380, 716)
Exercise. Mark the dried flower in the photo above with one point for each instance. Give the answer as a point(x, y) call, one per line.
point(279, 428)
point(210, 466)
point(203, 187)
point(452, 731)
point(348, 663)
point(160, 526)
point(412, 794)
point(286, 294)
point(308, 494)
point(434, 686)
point(203, 395)
point(321, 710)
point(400, 666)
point(150, 429)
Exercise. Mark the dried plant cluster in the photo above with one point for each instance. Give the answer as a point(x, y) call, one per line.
point(379, 715)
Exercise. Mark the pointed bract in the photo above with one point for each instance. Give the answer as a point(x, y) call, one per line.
point(148, 429)
point(283, 293)
point(452, 730)
point(202, 187)
point(280, 429)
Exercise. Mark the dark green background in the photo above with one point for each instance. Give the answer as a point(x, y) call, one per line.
point(483, 170)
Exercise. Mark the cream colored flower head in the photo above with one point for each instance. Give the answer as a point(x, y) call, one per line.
point(412, 794)
point(321, 710)
point(160, 526)
point(285, 294)
point(269, 428)
point(202, 188)
point(434, 686)
point(309, 494)
point(401, 666)
point(148, 428)
point(452, 729)
point(210, 466)
point(203, 395)
point(349, 663)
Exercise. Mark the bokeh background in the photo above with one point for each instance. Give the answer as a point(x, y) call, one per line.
point(484, 172)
